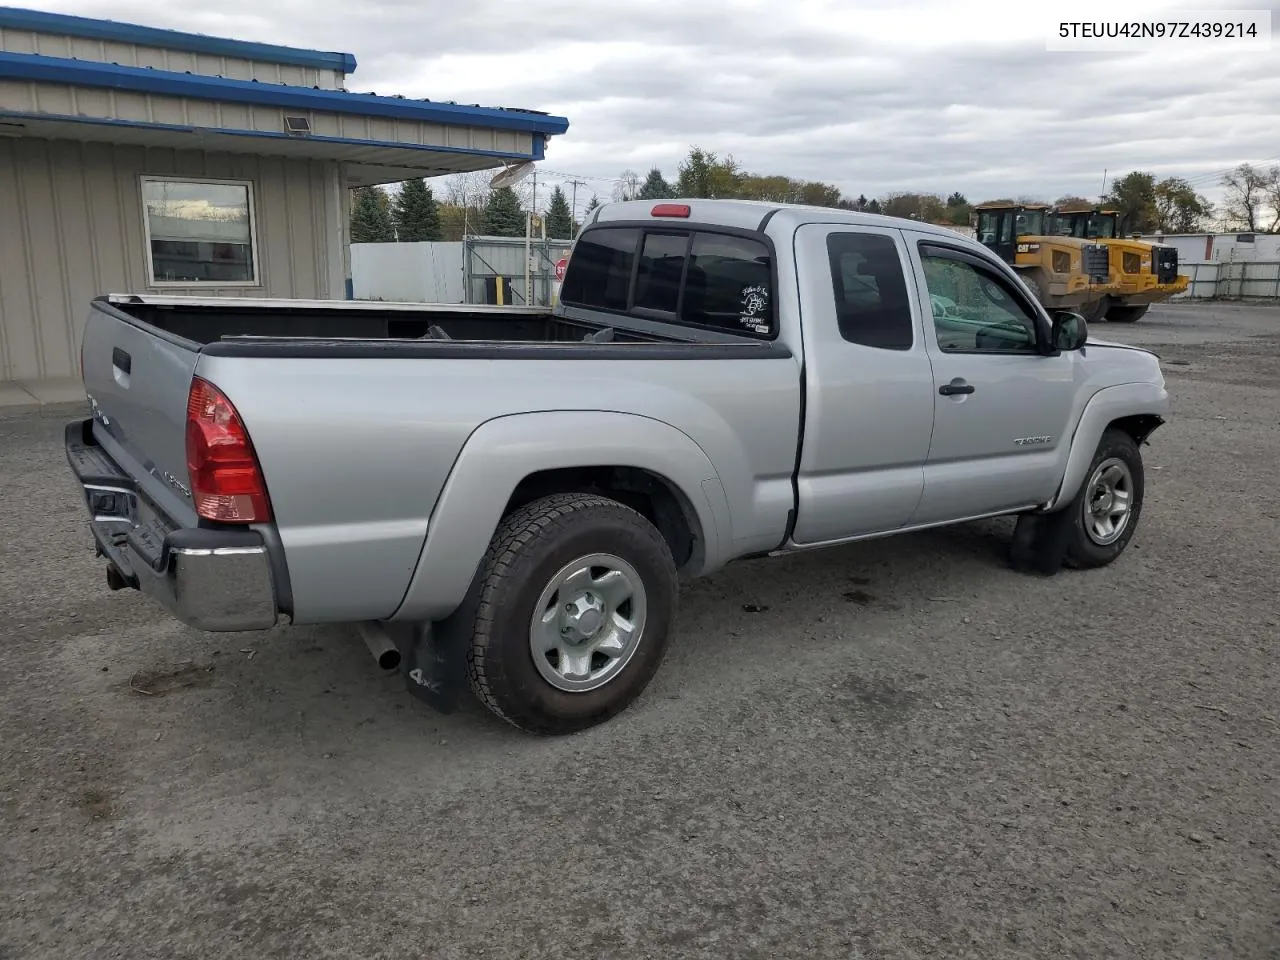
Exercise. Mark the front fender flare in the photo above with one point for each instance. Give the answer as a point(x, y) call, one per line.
point(501, 452)
point(1104, 407)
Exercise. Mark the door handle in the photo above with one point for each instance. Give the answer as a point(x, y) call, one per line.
point(951, 389)
point(121, 360)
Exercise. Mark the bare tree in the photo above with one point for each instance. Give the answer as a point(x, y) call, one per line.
point(1273, 198)
point(1252, 199)
point(628, 186)
point(467, 189)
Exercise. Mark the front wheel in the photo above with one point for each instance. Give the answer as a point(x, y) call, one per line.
point(1107, 508)
point(577, 596)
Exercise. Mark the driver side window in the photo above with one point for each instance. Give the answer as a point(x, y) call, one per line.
point(973, 311)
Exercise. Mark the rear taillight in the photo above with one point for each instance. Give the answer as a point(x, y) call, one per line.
point(226, 481)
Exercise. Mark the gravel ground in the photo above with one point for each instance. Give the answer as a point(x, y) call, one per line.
point(910, 751)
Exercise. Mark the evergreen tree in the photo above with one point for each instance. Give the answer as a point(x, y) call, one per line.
point(371, 217)
point(595, 202)
point(873, 206)
point(655, 187)
point(416, 213)
point(502, 214)
point(559, 217)
point(703, 174)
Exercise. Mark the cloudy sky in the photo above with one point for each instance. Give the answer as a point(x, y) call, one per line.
point(871, 95)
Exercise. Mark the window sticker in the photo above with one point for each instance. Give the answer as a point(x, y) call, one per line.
point(755, 309)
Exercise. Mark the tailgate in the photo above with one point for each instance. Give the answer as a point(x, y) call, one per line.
point(137, 378)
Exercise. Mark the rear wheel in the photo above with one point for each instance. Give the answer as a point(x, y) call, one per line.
point(1107, 508)
point(1126, 314)
point(1094, 312)
point(577, 596)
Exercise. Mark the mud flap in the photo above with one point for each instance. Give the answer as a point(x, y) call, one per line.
point(435, 667)
point(1040, 542)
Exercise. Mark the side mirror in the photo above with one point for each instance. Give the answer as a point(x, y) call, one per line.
point(1070, 332)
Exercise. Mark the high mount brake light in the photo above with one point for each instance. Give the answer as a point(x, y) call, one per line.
point(670, 210)
point(226, 480)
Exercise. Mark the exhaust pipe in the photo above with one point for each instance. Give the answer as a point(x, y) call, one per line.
point(384, 651)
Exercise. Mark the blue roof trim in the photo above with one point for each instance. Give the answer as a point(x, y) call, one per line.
point(536, 154)
point(85, 73)
point(39, 21)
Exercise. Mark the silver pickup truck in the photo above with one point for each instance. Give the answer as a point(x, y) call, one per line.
point(507, 498)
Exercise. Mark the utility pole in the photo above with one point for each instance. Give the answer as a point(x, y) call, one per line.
point(575, 184)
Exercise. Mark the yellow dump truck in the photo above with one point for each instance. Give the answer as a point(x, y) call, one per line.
point(1141, 273)
point(1065, 272)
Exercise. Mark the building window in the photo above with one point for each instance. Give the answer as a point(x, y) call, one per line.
point(199, 232)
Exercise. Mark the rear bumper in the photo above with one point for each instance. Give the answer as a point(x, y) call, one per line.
point(211, 579)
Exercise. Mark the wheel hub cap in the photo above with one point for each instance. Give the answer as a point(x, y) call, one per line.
point(1107, 508)
point(587, 623)
point(582, 617)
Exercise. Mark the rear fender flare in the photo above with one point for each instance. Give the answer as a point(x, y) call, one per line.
point(1105, 407)
point(500, 453)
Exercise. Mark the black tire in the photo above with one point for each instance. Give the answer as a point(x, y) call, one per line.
point(528, 549)
point(1126, 314)
point(1039, 285)
point(1083, 551)
point(1094, 312)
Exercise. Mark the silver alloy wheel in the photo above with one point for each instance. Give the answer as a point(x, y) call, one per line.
point(1108, 502)
point(587, 624)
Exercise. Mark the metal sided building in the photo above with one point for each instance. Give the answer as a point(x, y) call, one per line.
point(135, 159)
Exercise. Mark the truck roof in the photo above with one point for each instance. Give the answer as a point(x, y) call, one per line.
point(750, 214)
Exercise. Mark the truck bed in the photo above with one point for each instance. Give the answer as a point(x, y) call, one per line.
point(358, 425)
point(204, 322)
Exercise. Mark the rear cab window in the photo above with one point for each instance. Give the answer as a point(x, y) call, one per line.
point(694, 277)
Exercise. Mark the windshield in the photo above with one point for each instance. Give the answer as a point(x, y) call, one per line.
point(1031, 223)
point(1085, 226)
point(988, 226)
point(1072, 225)
point(1102, 226)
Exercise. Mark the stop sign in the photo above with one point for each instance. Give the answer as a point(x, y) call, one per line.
point(561, 264)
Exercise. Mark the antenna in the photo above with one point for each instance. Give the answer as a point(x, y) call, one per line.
point(511, 175)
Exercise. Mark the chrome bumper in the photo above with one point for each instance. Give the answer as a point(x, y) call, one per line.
point(215, 588)
point(211, 579)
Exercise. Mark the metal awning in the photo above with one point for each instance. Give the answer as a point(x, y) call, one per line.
point(377, 139)
point(363, 163)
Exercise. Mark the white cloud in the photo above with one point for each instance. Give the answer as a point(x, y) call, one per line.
point(880, 95)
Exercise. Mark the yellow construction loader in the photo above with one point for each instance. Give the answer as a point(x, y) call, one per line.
point(1141, 273)
point(1065, 272)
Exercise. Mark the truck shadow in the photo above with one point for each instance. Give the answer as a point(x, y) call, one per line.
point(322, 684)
point(307, 707)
